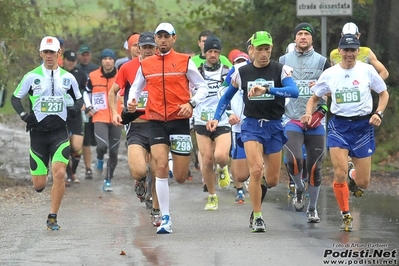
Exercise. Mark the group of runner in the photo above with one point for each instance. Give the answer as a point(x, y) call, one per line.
point(237, 105)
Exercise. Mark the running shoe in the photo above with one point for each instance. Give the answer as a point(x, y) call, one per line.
point(39, 190)
point(291, 190)
point(140, 187)
point(107, 187)
point(52, 224)
point(156, 217)
point(75, 180)
point(311, 213)
point(357, 191)
point(170, 174)
point(298, 201)
point(166, 225)
point(347, 223)
point(258, 225)
point(251, 219)
point(100, 166)
point(148, 202)
point(223, 177)
point(240, 197)
point(212, 204)
point(89, 174)
point(189, 176)
point(68, 181)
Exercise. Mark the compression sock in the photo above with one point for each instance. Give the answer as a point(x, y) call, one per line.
point(162, 188)
point(313, 195)
point(341, 193)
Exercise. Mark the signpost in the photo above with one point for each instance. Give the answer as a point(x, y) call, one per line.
point(324, 8)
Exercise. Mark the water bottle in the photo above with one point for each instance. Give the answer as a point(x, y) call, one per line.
point(318, 115)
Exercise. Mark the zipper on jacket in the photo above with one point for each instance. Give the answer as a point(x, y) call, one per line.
point(163, 86)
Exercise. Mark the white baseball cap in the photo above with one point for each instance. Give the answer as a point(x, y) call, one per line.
point(350, 28)
point(164, 26)
point(50, 43)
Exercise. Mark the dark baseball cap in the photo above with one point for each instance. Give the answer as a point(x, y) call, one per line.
point(147, 38)
point(349, 41)
point(84, 49)
point(70, 55)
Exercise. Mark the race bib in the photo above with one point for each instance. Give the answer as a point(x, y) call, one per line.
point(263, 97)
point(142, 103)
point(303, 87)
point(99, 100)
point(181, 144)
point(207, 114)
point(349, 96)
point(51, 104)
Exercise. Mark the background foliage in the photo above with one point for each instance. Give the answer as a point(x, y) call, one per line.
point(106, 24)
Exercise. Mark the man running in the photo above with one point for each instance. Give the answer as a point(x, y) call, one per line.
point(167, 77)
point(265, 84)
point(137, 128)
point(47, 87)
point(214, 147)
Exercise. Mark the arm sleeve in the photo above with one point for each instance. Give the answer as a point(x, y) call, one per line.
point(224, 102)
point(289, 89)
point(137, 86)
point(197, 81)
point(17, 105)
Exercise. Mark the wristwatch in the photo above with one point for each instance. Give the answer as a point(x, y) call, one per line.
point(192, 103)
point(380, 114)
point(22, 114)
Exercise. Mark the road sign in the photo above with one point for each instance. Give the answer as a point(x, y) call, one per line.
point(324, 8)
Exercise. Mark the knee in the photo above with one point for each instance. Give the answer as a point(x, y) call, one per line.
point(272, 182)
point(39, 183)
point(362, 183)
point(222, 159)
point(102, 148)
point(294, 167)
point(207, 162)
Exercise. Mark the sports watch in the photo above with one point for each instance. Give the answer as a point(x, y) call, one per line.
point(192, 103)
point(380, 114)
point(22, 115)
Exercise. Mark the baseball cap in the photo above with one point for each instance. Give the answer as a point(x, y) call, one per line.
point(50, 43)
point(240, 56)
point(350, 28)
point(261, 38)
point(164, 26)
point(147, 38)
point(70, 55)
point(349, 41)
point(232, 54)
point(84, 49)
point(290, 47)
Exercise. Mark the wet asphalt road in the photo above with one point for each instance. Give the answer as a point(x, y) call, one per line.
point(98, 226)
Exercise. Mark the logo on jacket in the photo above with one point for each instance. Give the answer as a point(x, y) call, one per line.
point(36, 81)
point(66, 82)
point(355, 82)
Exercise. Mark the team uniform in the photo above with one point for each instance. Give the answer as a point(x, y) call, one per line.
point(48, 91)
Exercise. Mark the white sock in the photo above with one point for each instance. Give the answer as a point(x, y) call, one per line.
point(162, 187)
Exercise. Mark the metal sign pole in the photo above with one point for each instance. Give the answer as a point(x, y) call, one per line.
point(324, 36)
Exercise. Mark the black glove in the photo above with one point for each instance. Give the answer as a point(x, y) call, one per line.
point(30, 120)
point(129, 117)
point(88, 109)
point(72, 112)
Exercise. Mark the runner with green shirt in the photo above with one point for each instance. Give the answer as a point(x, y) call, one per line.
point(53, 95)
point(200, 58)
